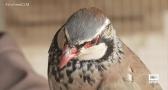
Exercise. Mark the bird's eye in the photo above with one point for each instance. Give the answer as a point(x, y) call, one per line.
point(88, 44)
point(91, 43)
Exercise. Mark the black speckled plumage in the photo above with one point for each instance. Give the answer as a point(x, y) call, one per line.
point(85, 69)
point(106, 73)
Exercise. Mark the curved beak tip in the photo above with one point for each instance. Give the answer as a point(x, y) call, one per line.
point(65, 58)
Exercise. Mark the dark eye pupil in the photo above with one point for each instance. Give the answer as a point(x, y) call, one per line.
point(88, 44)
point(95, 41)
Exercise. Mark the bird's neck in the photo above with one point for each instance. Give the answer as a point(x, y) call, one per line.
point(87, 69)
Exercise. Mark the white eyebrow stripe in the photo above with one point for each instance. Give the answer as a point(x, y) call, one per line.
point(66, 33)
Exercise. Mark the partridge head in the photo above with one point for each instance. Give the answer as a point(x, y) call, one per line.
point(84, 51)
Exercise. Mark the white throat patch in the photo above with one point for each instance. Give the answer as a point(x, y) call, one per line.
point(94, 52)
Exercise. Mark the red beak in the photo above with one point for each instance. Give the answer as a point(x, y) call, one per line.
point(67, 54)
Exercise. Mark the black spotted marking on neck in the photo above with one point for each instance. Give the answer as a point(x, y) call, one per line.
point(101, 68)
point(66, 86)
point(86, 74)
point(70, 80)
point(89, 66)
point(88, 79)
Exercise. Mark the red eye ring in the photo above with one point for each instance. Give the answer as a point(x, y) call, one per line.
point(88, 45)
point(91, 43)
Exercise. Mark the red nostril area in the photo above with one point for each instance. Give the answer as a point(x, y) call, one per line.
point(74, 50)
